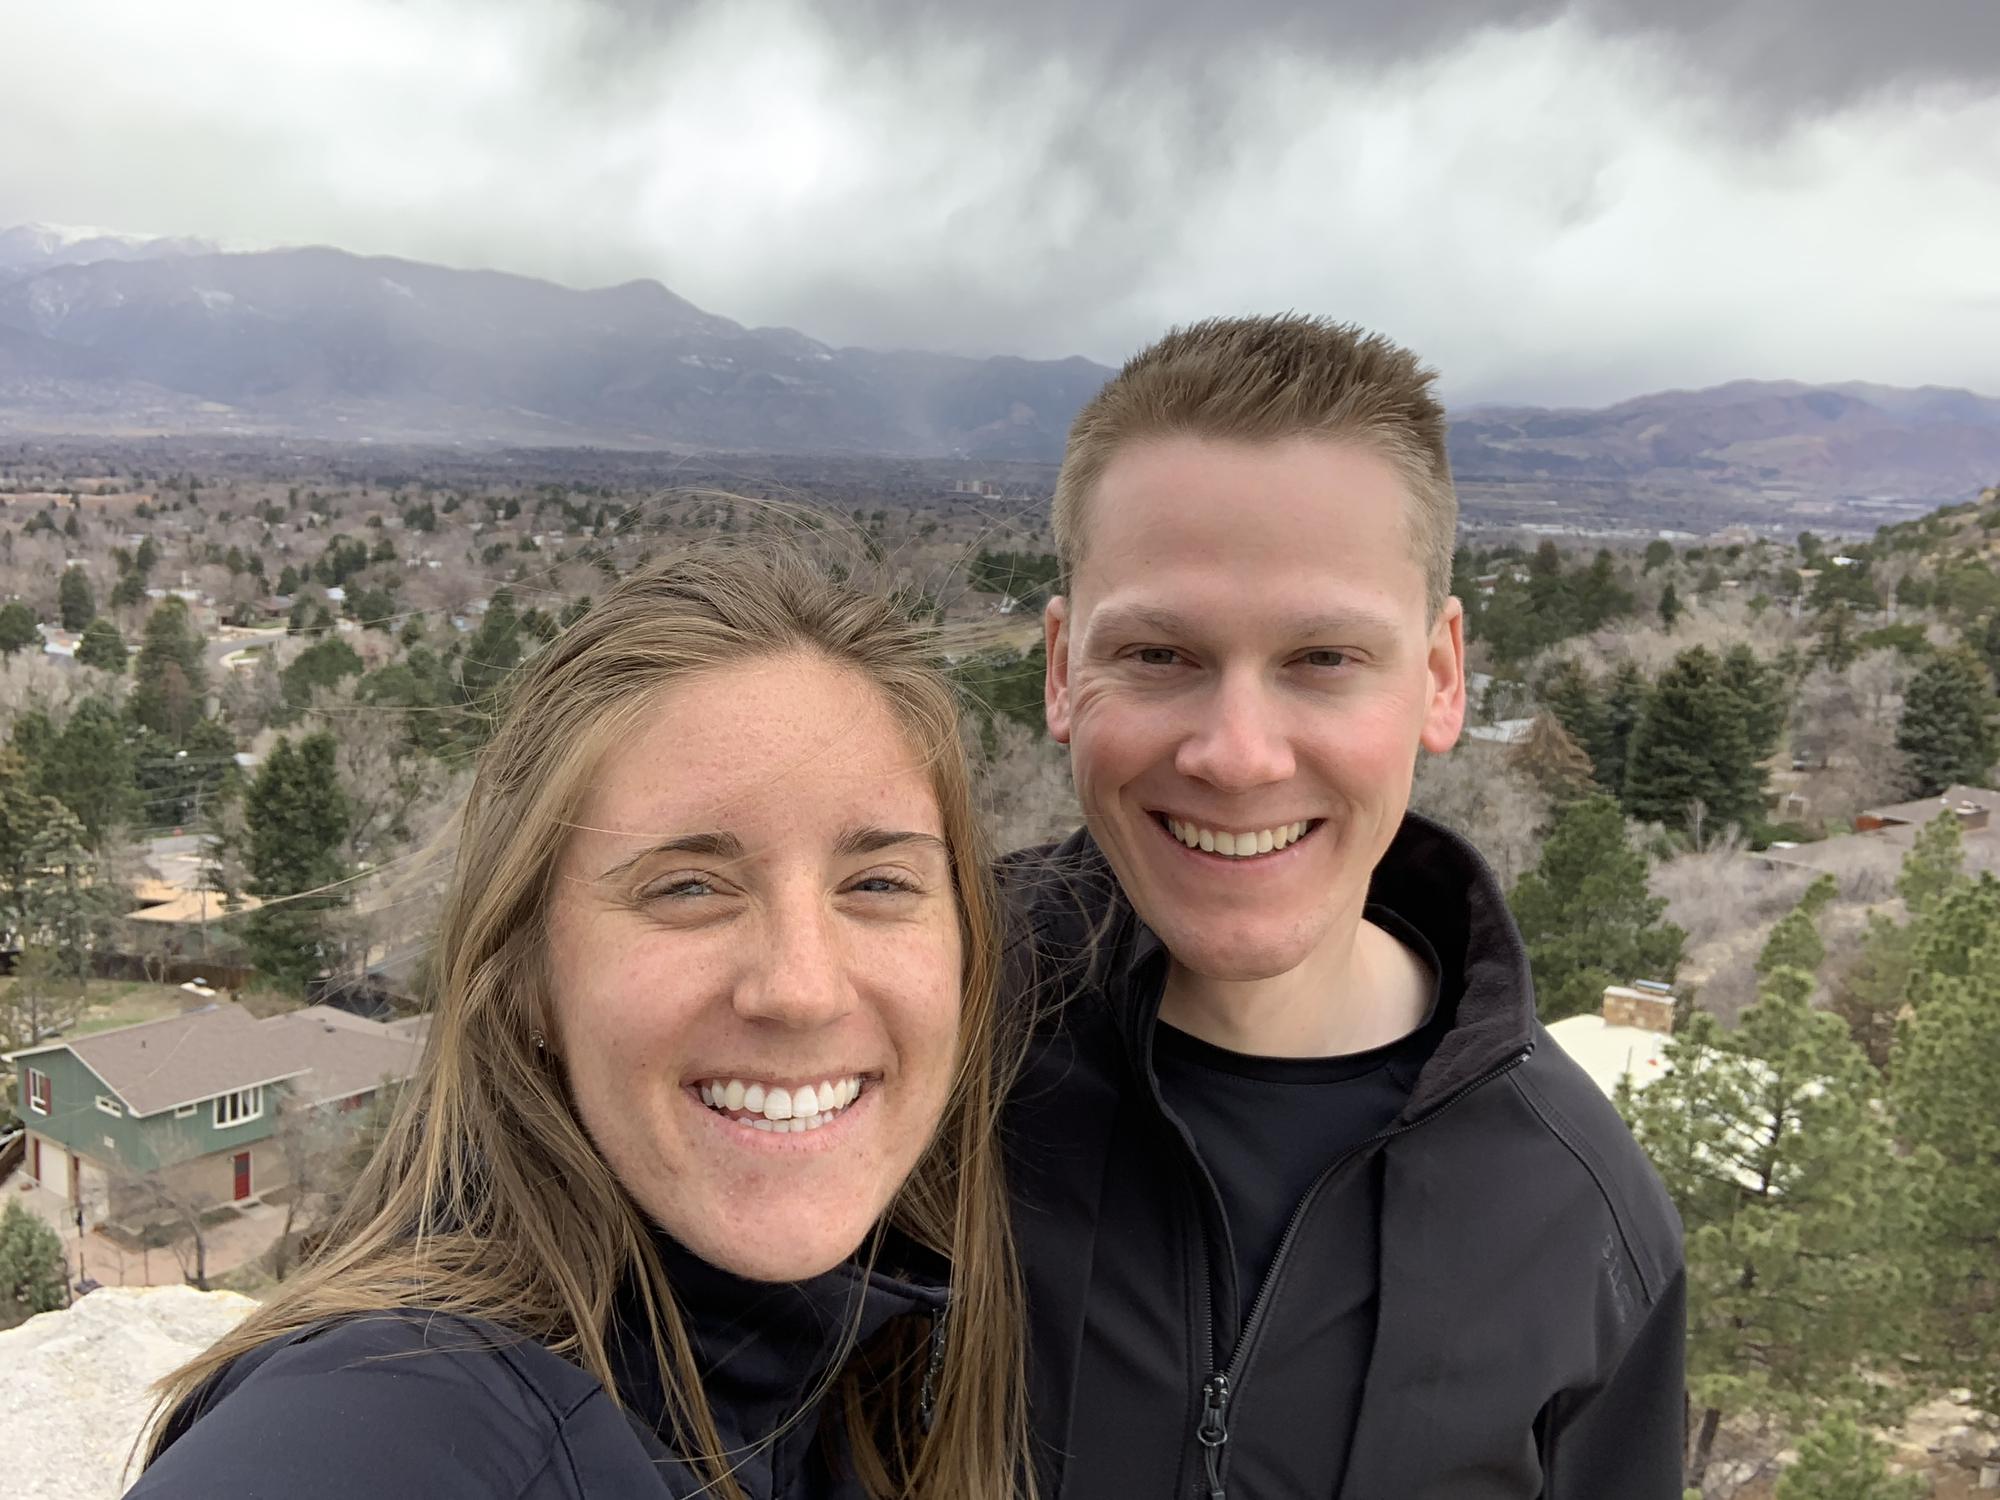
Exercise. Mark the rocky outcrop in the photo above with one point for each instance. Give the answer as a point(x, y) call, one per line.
point(74, 1385)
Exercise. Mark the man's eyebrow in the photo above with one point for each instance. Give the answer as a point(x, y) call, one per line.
point(702, 845)
point(875, 840)
point(1146, 619)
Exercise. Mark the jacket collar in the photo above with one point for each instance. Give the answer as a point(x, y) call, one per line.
point(1087, 937)
point(767, 1349)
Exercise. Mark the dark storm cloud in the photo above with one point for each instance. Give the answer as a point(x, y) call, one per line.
point(1771, 60)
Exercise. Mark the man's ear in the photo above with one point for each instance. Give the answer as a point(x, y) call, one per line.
point(1055, 680)
point(1444, 714)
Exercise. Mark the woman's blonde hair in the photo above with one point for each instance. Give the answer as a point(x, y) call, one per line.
point(486, 1198)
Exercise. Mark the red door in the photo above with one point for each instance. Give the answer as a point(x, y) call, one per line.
point(242, 1175)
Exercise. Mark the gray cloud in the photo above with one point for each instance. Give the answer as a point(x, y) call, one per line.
point(1568, 202)
point(1772, 60)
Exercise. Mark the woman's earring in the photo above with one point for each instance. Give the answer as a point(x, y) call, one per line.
point(541, 1043)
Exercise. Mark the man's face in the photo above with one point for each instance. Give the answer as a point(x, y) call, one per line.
point(1244, 664)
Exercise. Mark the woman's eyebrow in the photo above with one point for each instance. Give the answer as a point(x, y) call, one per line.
point(875, 840)
point(702, 845)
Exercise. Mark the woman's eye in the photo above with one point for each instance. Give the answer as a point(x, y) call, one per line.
point(683, 888)
point(876, 885)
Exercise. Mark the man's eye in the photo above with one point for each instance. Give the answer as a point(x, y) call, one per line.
point(1327, 658)
point(1156, 656)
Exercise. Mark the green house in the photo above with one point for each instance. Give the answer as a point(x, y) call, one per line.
point(194, 1101)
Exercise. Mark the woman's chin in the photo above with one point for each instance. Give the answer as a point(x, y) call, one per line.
point(799, 1259)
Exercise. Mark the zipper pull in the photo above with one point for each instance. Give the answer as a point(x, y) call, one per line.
point(1214, 1431)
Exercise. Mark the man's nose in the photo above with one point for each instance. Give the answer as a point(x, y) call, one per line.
point(1241, 740)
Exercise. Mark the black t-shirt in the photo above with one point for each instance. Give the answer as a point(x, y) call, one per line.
point(1266, 1127)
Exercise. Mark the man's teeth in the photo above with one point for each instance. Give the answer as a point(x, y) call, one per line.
point(1236, 845)
point(778, 1109)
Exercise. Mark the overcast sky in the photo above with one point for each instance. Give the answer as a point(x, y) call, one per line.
point(1553, 202)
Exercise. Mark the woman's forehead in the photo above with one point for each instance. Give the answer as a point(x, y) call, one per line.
point(769, 747)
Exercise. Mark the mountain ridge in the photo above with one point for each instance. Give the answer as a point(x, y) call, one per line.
point(111, 335)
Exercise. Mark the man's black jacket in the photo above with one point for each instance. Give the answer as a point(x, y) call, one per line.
point(1523, 1259)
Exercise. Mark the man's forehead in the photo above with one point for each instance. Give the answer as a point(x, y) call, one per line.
point(1325, 621)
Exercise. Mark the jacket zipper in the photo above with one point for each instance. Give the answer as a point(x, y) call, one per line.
point(933, 1369)
point(1212, 1431)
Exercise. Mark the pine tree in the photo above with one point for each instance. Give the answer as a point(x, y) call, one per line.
point(1795, 942)
point(75, 602)
point(1586, 914)
point(1947, 723)
point(1944, 1066)
point(493, 651)
point(33, 1269)
point(1670, 607)
point(88, 768)
point(1948, 941)
point(1841, 1460)
point(170, 679)
point(1934, 866)
point(1803, 1260)
point(102, 647)
point(1694, 743)
point(18, 627)
point(1872, 990)
point(296, 818)
point(1763, 697)
point(320, 665)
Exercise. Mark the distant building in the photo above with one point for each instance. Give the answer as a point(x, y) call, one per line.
point(198, 1097)
point(1627, 1040)
point(1502, 732)
point(1974, 805)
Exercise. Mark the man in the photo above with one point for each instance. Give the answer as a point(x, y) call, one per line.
point(1308, 1203)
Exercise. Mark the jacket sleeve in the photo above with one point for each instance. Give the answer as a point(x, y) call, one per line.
point(1626, 1440)
point(317, 1421)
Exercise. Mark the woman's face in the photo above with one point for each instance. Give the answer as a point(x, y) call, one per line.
point(757, 906)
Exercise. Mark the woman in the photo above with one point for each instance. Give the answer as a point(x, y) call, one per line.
point(709, 1098)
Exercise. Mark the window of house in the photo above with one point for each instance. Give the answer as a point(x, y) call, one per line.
point(41, 1093)
point(182, 1111)
point(239, 1107)
point(109, 1105)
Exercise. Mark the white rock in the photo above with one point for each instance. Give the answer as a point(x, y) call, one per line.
point(74, 1397)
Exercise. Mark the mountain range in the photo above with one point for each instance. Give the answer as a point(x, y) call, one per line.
point(110, 335)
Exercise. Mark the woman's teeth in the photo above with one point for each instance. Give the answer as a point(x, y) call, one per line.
point(759, 1106)
point(1237, 845)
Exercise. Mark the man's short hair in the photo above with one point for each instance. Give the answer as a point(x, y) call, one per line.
point(1266, 379)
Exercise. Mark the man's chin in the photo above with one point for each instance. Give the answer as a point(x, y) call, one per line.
point(1234, 957)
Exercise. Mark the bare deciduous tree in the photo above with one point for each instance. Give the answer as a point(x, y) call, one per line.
point(1024, 790)
point(1478, 791)
point(316, 1142)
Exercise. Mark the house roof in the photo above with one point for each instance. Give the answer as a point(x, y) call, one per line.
point(1502, 731)
point(158, 1065)
point(192, 906)
point(184, 1059)
point(1608, 1053)
point(349, 1054)
point(1924, 809)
